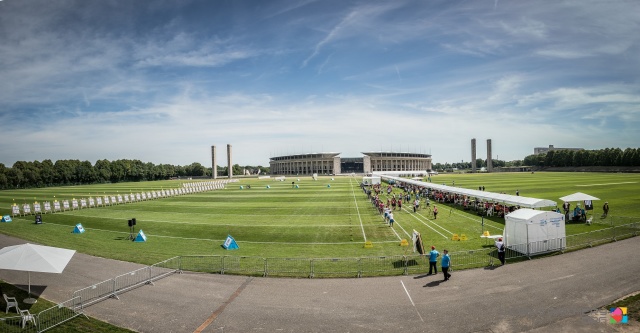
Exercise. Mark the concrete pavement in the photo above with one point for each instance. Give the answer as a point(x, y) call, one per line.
point(548, 294)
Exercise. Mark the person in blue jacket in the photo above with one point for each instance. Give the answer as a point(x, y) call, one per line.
point(445, 263)
point(433, 260)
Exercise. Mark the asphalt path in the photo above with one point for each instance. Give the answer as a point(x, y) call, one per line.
point(542, 295)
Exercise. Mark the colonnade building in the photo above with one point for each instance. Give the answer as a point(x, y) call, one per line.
point(332, 163)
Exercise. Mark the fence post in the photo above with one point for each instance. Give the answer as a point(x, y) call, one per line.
point(359, 267)
point(222, 266)
point(311, 268)
point(266, 267)
point(406, 265)
point(613, 232)
point(180, 264)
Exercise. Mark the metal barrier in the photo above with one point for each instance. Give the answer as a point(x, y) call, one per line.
point(95, 293)
point(45, 320)
point(244, 265)
point(59, 314)
point(595, 237)
point(335, 267)
point(288, 267)
point(207, 264)
point(473, 258)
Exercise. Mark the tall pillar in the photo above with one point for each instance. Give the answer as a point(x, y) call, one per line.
point(489, 159)
point(473, 156)
point(214, 165)
point(229, 161)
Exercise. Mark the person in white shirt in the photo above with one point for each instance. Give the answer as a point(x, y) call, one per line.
point(501, 250)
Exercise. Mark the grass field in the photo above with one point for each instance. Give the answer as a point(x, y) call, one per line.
point(312, 221)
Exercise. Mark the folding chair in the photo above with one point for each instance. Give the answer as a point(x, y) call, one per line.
point(11, 302)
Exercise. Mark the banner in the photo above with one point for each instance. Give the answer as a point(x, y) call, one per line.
point(78, 229)
point(141, 237)
point(230, 243)
point(6, 218)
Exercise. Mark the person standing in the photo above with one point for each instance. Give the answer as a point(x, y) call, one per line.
point(445, 263)
point(501, 250)
point(391, 220)
point(433, 260)
point(605, 209)
point(435, 212)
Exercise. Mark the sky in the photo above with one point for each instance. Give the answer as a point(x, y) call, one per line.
point(163, 81)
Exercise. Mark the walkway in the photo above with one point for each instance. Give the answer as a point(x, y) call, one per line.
point(550, 294)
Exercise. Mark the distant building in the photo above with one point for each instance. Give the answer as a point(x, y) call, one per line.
point(541, 150)
point(331, 163)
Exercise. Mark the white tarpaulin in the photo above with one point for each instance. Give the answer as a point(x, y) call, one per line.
point(578, 196)
point(531, 231)
point(35, 258)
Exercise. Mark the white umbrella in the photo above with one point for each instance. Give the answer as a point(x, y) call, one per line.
point(35, 258)
point(578, 196)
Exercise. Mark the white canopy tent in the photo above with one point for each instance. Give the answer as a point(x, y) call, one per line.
point(533, 232)
point(373, 180)
point(482, 195)
point(578, 196)
point(34, 258)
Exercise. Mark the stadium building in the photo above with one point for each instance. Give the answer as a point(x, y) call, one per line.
point(332, 163)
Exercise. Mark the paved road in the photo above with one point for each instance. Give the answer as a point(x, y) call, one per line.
point(550, 294)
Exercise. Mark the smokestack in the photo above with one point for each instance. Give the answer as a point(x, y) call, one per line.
point(229, 161)
point(473, 155)
point(489, 159)
point(214, 165)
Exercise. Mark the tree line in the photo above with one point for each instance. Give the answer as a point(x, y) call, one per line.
point(610, 157)
point(75, 172)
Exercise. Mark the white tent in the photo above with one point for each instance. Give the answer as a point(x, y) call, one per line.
point(34, 258)
point(373, 180)
point(533, 232)
point(482, 195)
point(578, 196)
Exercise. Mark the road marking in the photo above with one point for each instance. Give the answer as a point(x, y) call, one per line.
point(412, 303)
point(215, 315)
point(561, 278)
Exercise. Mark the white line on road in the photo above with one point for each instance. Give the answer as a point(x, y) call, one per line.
point(561, 278)
point(414, 304)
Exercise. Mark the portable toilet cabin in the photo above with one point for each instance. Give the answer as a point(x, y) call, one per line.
point(532, 232)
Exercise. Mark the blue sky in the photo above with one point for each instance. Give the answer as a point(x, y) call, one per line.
point(162, 81)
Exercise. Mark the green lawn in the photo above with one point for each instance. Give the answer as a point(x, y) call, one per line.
point(313, 221)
